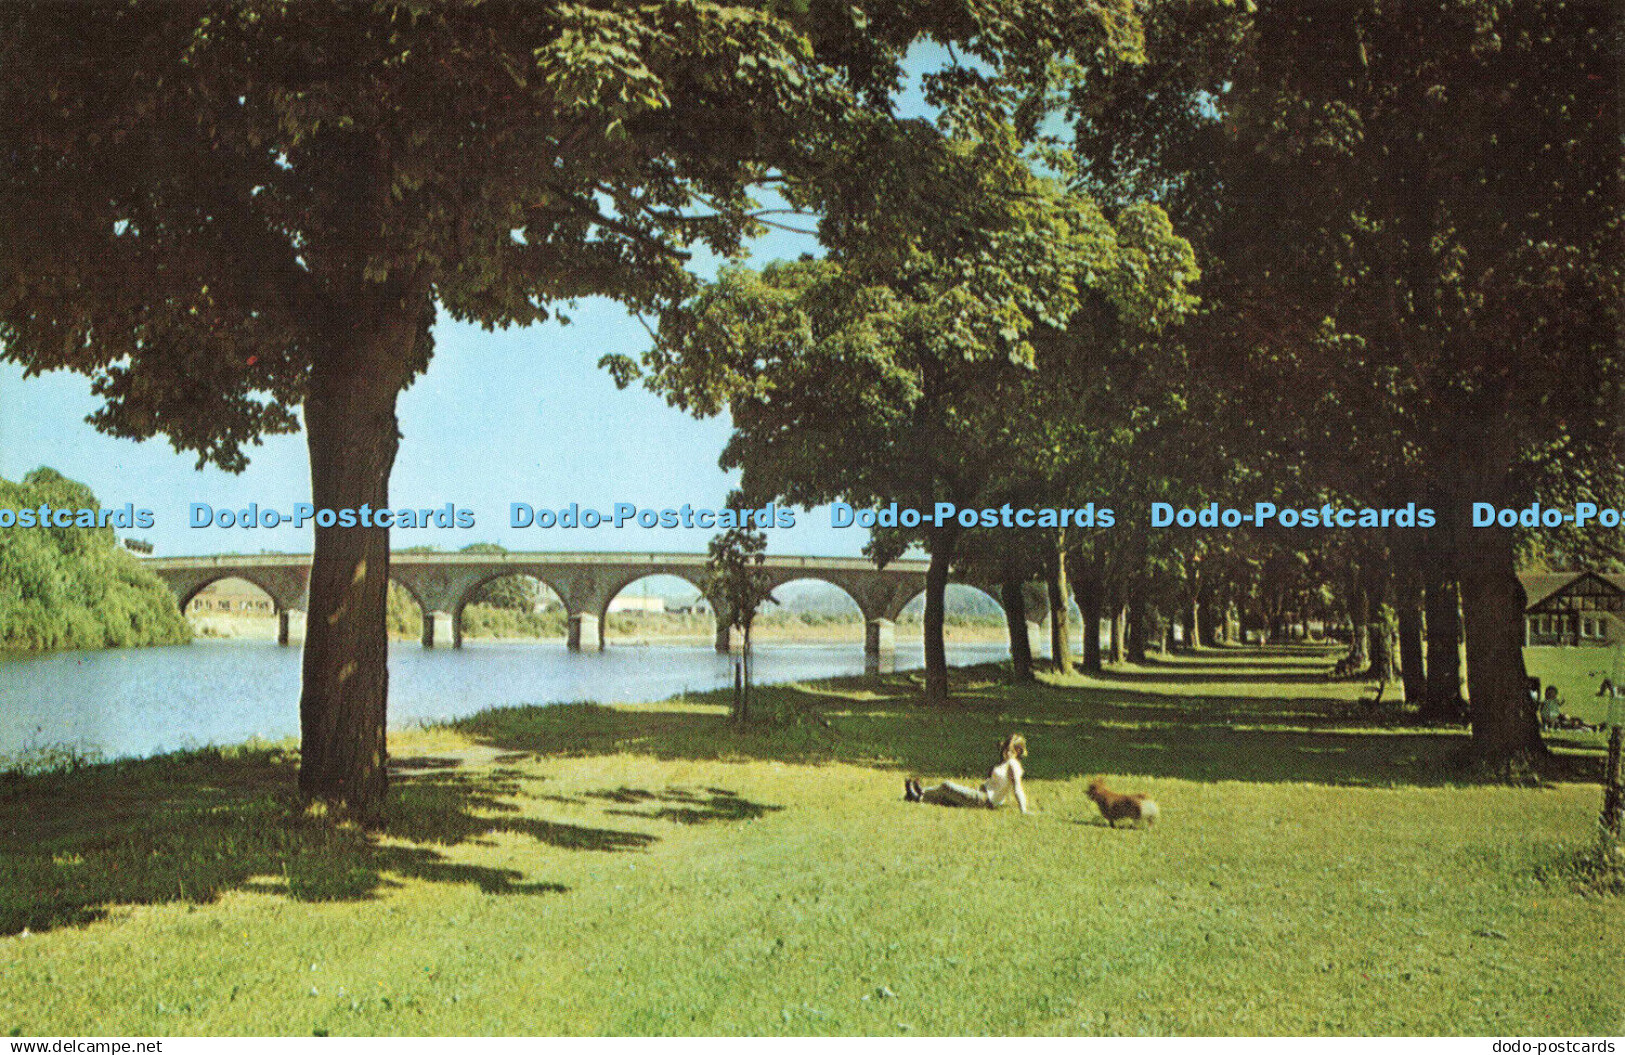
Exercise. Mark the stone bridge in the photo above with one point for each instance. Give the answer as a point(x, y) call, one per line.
point(443, 584)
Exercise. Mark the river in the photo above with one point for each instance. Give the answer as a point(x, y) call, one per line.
point(143, 701)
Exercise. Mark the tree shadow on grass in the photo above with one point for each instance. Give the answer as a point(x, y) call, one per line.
point(1279, 732)
point(683, 806)
point(458, 807)
point(1299, 650)
point(1295, 674)
point(193, 826)
point(1282, 665)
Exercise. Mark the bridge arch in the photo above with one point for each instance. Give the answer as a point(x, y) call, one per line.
point(284, 586)
point(187, 594)
point(1036, 603)
point(907, 600)
point(840, 600)
point(411, 589)
point(620, 584)
point(472, 591)
point(414, 590)
point(842, 588)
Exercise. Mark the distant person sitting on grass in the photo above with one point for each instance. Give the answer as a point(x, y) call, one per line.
point(1551, 709)
point(1002, 782)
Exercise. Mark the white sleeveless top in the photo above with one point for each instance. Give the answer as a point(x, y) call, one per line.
point(1001, 781)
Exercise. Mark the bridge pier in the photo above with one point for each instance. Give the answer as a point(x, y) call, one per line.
point(880, 663)
point(290, 627)
point(1038, 637)
point(880, 637)
point(442, 627)
point(586, 635)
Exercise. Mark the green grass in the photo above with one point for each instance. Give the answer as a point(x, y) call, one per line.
point(1576, 672)
point(652, 869)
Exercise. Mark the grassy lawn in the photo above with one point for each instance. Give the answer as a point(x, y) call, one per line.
point(1576, 672)
point(650, 869)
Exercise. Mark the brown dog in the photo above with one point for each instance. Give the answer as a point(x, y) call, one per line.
point(1138, 808)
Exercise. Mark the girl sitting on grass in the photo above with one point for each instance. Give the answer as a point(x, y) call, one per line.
point(1551, 709)
point(1002, 782)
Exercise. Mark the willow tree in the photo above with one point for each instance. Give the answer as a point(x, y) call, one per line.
point(241, 217)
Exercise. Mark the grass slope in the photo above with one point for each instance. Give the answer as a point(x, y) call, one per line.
point(652, 870)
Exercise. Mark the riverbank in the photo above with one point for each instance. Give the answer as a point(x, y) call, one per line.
point(1309, 875)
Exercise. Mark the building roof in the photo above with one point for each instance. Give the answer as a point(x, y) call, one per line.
point(1542, 587)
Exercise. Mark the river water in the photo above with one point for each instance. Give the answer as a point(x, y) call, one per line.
point(137, 702)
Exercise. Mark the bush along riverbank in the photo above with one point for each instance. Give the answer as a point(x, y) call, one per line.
point(75, 587)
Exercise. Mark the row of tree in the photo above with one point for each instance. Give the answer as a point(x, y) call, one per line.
point(1407, 217)
point(1405, 212)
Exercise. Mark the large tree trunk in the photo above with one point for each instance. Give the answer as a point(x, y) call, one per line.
point(744, 666)
point(1381, 629)
point(942, 542)
point(1247, 622)
point(1506, 730)
point(1359, 616)
point(1119, 628)
point(1090, 592)
point(1015, 619)
point(1411, 667)
point(1206, 603)
point(352, 435)
point(1060, 632)
point(1138, 623)
point(1381, 625)
point(1217, 623)
point(1447, 676)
